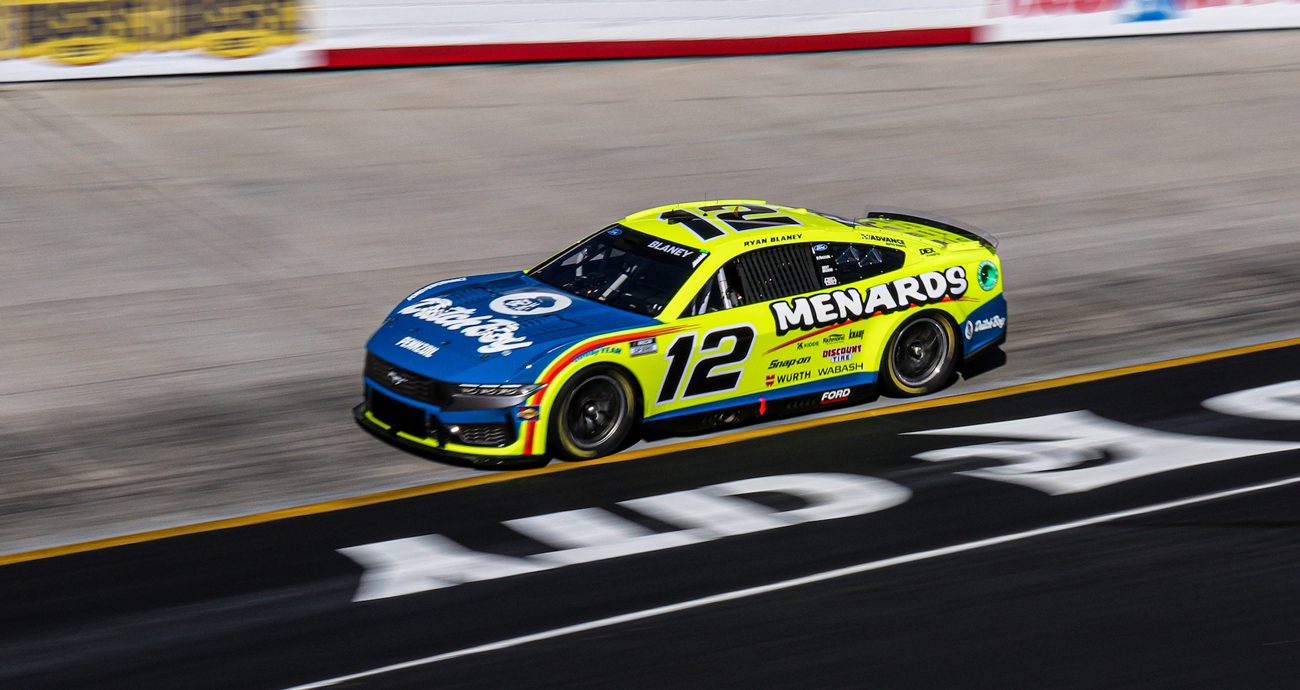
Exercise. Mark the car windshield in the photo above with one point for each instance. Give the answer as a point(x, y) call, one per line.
point(623, 268)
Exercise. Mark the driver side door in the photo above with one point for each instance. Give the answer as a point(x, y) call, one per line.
point(729, 353)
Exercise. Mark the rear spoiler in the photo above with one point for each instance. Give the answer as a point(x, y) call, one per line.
point(946, 224)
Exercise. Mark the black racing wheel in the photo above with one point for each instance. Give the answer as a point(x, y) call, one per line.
point(921, 356)
point(593, 415)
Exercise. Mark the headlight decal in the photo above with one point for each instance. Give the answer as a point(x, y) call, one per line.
point(508, 390)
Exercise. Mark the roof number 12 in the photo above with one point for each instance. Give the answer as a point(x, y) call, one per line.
point(738, 218)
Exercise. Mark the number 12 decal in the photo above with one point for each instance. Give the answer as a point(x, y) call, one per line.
point(739, 218)
point(719, 348)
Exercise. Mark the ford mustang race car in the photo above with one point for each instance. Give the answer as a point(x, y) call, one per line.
point(691, 315)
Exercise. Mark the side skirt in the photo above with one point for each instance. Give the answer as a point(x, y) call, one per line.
point(765, 410)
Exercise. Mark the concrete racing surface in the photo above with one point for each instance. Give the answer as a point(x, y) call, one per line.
point(1136, 531)
point(191, 265)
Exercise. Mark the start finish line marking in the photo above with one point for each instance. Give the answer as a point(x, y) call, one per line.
point(796, 582)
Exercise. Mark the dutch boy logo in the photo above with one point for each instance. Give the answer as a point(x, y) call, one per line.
point(495, 335)
point(980, 325)
point(529, 303)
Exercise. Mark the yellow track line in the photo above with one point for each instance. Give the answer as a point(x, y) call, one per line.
point(717, 439)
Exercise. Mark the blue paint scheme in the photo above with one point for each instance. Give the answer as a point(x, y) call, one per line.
point(458, 359)
point(996, 308)
point(1150, 11)
point(844, 381)
point(495, 416)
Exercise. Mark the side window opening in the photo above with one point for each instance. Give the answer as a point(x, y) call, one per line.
point(844, 262)
point(775, 272)
point(759, 276)
point(722, 291)
point(622, 268)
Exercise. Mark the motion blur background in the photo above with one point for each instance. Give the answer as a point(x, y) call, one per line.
point(192, 264)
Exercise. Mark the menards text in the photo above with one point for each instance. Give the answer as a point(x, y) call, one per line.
point(851, 304)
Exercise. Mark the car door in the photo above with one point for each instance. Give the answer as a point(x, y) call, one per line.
point(729, 350)
point(847, 343)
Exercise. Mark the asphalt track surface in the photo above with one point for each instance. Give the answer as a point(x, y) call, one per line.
point(191, 265)
point(1129, 534)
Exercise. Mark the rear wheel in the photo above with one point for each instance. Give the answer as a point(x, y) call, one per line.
point(920, 357)
point(593, 415)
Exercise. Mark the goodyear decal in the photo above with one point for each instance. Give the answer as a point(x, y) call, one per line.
point(603, 350)
point(87, 32)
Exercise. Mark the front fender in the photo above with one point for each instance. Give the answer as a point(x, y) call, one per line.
point(614, 350)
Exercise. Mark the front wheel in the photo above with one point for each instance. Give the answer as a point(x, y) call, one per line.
point(920, 357)
point(593, 414)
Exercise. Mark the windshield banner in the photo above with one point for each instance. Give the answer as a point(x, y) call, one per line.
point(1032, 20)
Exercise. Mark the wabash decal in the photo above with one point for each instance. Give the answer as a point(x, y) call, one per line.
point(850, 304)
point(841, 369)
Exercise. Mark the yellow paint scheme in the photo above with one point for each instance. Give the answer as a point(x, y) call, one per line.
point(926, 249)
point(514, 449)
point(796, 358)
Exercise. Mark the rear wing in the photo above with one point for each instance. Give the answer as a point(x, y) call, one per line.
point(946, 224)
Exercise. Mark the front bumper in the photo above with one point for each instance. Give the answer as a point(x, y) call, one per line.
point(441, 450)
point(434, 417)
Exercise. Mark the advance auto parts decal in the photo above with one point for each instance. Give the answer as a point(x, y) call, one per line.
point(850, 304)
point(87, 32)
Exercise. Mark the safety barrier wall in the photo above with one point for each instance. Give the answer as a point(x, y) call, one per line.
point(62, 39)
point(359, 32)
point(66, 39)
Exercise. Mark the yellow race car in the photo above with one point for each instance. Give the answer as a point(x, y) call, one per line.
point(686, 316)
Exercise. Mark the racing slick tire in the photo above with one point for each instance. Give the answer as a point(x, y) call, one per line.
point(920, 357)
point(594, 414)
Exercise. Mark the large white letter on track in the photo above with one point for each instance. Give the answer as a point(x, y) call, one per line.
point(1079, 451)
point(417, 564)
point(1280, 402)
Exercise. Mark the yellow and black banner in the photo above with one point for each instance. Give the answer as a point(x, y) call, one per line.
point(86, 32)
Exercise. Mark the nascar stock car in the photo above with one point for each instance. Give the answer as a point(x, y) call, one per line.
point(697, 315)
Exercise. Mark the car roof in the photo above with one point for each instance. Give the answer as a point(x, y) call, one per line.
point(652, 222)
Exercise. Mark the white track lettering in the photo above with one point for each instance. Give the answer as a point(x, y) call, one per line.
point(418, 564)
point(1079, 451)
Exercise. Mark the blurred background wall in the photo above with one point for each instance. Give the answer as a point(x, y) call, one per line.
point(66, 39)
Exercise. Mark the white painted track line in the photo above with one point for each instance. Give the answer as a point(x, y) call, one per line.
point(796, 582)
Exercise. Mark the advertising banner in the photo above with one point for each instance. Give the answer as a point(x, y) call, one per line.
point(1031, 20)
point(67, 39)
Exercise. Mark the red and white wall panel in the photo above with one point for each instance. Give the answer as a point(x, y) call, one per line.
point(62, 39)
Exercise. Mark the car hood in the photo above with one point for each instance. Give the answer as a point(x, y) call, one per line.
point(499, 328)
